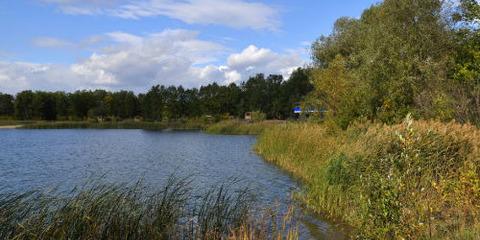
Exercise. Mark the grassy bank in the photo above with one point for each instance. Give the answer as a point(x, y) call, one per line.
point(417, 180)
point(177, 125)
point(117, 212)
point(240, 127)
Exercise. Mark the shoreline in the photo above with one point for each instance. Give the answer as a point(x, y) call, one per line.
point(11, 126)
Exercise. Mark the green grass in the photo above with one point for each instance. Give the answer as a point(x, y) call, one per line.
point(239, 127)
point(416, 180)
point(106, 211)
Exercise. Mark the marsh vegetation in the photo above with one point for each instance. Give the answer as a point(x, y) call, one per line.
point(111, 211)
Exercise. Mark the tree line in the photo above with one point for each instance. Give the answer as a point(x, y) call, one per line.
point(271, 95)
point(401, 56)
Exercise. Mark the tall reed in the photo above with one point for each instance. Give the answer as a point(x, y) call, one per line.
point(106, 211)
point(416, 180)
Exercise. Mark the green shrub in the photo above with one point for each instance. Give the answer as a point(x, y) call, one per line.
point(258, 116)
point(419, 179)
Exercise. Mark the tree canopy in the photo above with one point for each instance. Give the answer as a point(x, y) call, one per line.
point(399, 57)
point(272, 95)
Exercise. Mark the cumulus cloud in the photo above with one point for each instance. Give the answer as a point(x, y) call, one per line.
point(18, 76)
point(170, 57)
point(231, 13)
point(261, 60)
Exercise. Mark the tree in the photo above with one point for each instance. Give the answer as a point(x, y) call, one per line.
point(399, 52)
point(6, 105)
point(44, 105)
point(124, 104)
point(466, 74)
point(294, 90)
point(24, 107)
point(153, 103)
point(82, 102)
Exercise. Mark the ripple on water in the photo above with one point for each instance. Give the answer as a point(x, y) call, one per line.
point(43, 159)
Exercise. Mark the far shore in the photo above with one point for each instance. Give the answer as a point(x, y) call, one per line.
point(10, 126)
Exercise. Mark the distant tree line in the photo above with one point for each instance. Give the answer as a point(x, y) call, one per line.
point(272, 95)
point(401, 56)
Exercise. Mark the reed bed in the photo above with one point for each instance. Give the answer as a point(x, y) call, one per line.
point(240, 127)
point(106, 211)
point(416, 180)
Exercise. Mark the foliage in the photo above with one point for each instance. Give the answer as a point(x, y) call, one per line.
point(6, 105)
point(258, 116)
point(401, 56)
point(272, 95)
point(413, 180)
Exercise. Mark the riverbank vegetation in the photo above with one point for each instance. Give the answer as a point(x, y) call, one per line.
point(238, 127)
point(393, 180)
point(99, 211)
point(401, 56)
point(415, 180)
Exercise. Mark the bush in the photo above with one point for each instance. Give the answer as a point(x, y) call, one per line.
point(419, 179)
point(258, 116)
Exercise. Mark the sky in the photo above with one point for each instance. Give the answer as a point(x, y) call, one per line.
point(67, 45)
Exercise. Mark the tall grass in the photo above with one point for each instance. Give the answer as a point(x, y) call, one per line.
point(100, 211)
point(239, 127)
point(416, 180)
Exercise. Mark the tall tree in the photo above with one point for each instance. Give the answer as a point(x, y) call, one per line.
point(401, 52)
point(6, 105)
point(24, 107)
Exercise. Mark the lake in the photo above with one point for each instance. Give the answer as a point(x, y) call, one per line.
point(45, 159)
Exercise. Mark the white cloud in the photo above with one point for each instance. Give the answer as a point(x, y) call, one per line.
point(49, 42)
point(18, 76)
point(261, 60)
point(122, 37)
point(171, 57)
point(231, 13)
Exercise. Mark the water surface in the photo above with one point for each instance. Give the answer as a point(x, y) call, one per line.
point(43, 159)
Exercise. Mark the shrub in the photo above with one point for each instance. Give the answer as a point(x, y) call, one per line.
point(419, 179)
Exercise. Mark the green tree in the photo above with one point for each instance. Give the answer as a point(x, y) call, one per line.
point(44, 106)
point(399, 53)
point(6, 105)
point(153, 103)
point(294, 90)
point(24, 107)
point(82, 102)
point(466, 74)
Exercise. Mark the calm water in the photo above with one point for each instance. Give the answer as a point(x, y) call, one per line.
point(43, 159)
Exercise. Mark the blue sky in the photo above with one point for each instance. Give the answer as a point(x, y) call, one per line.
point(124, 44)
